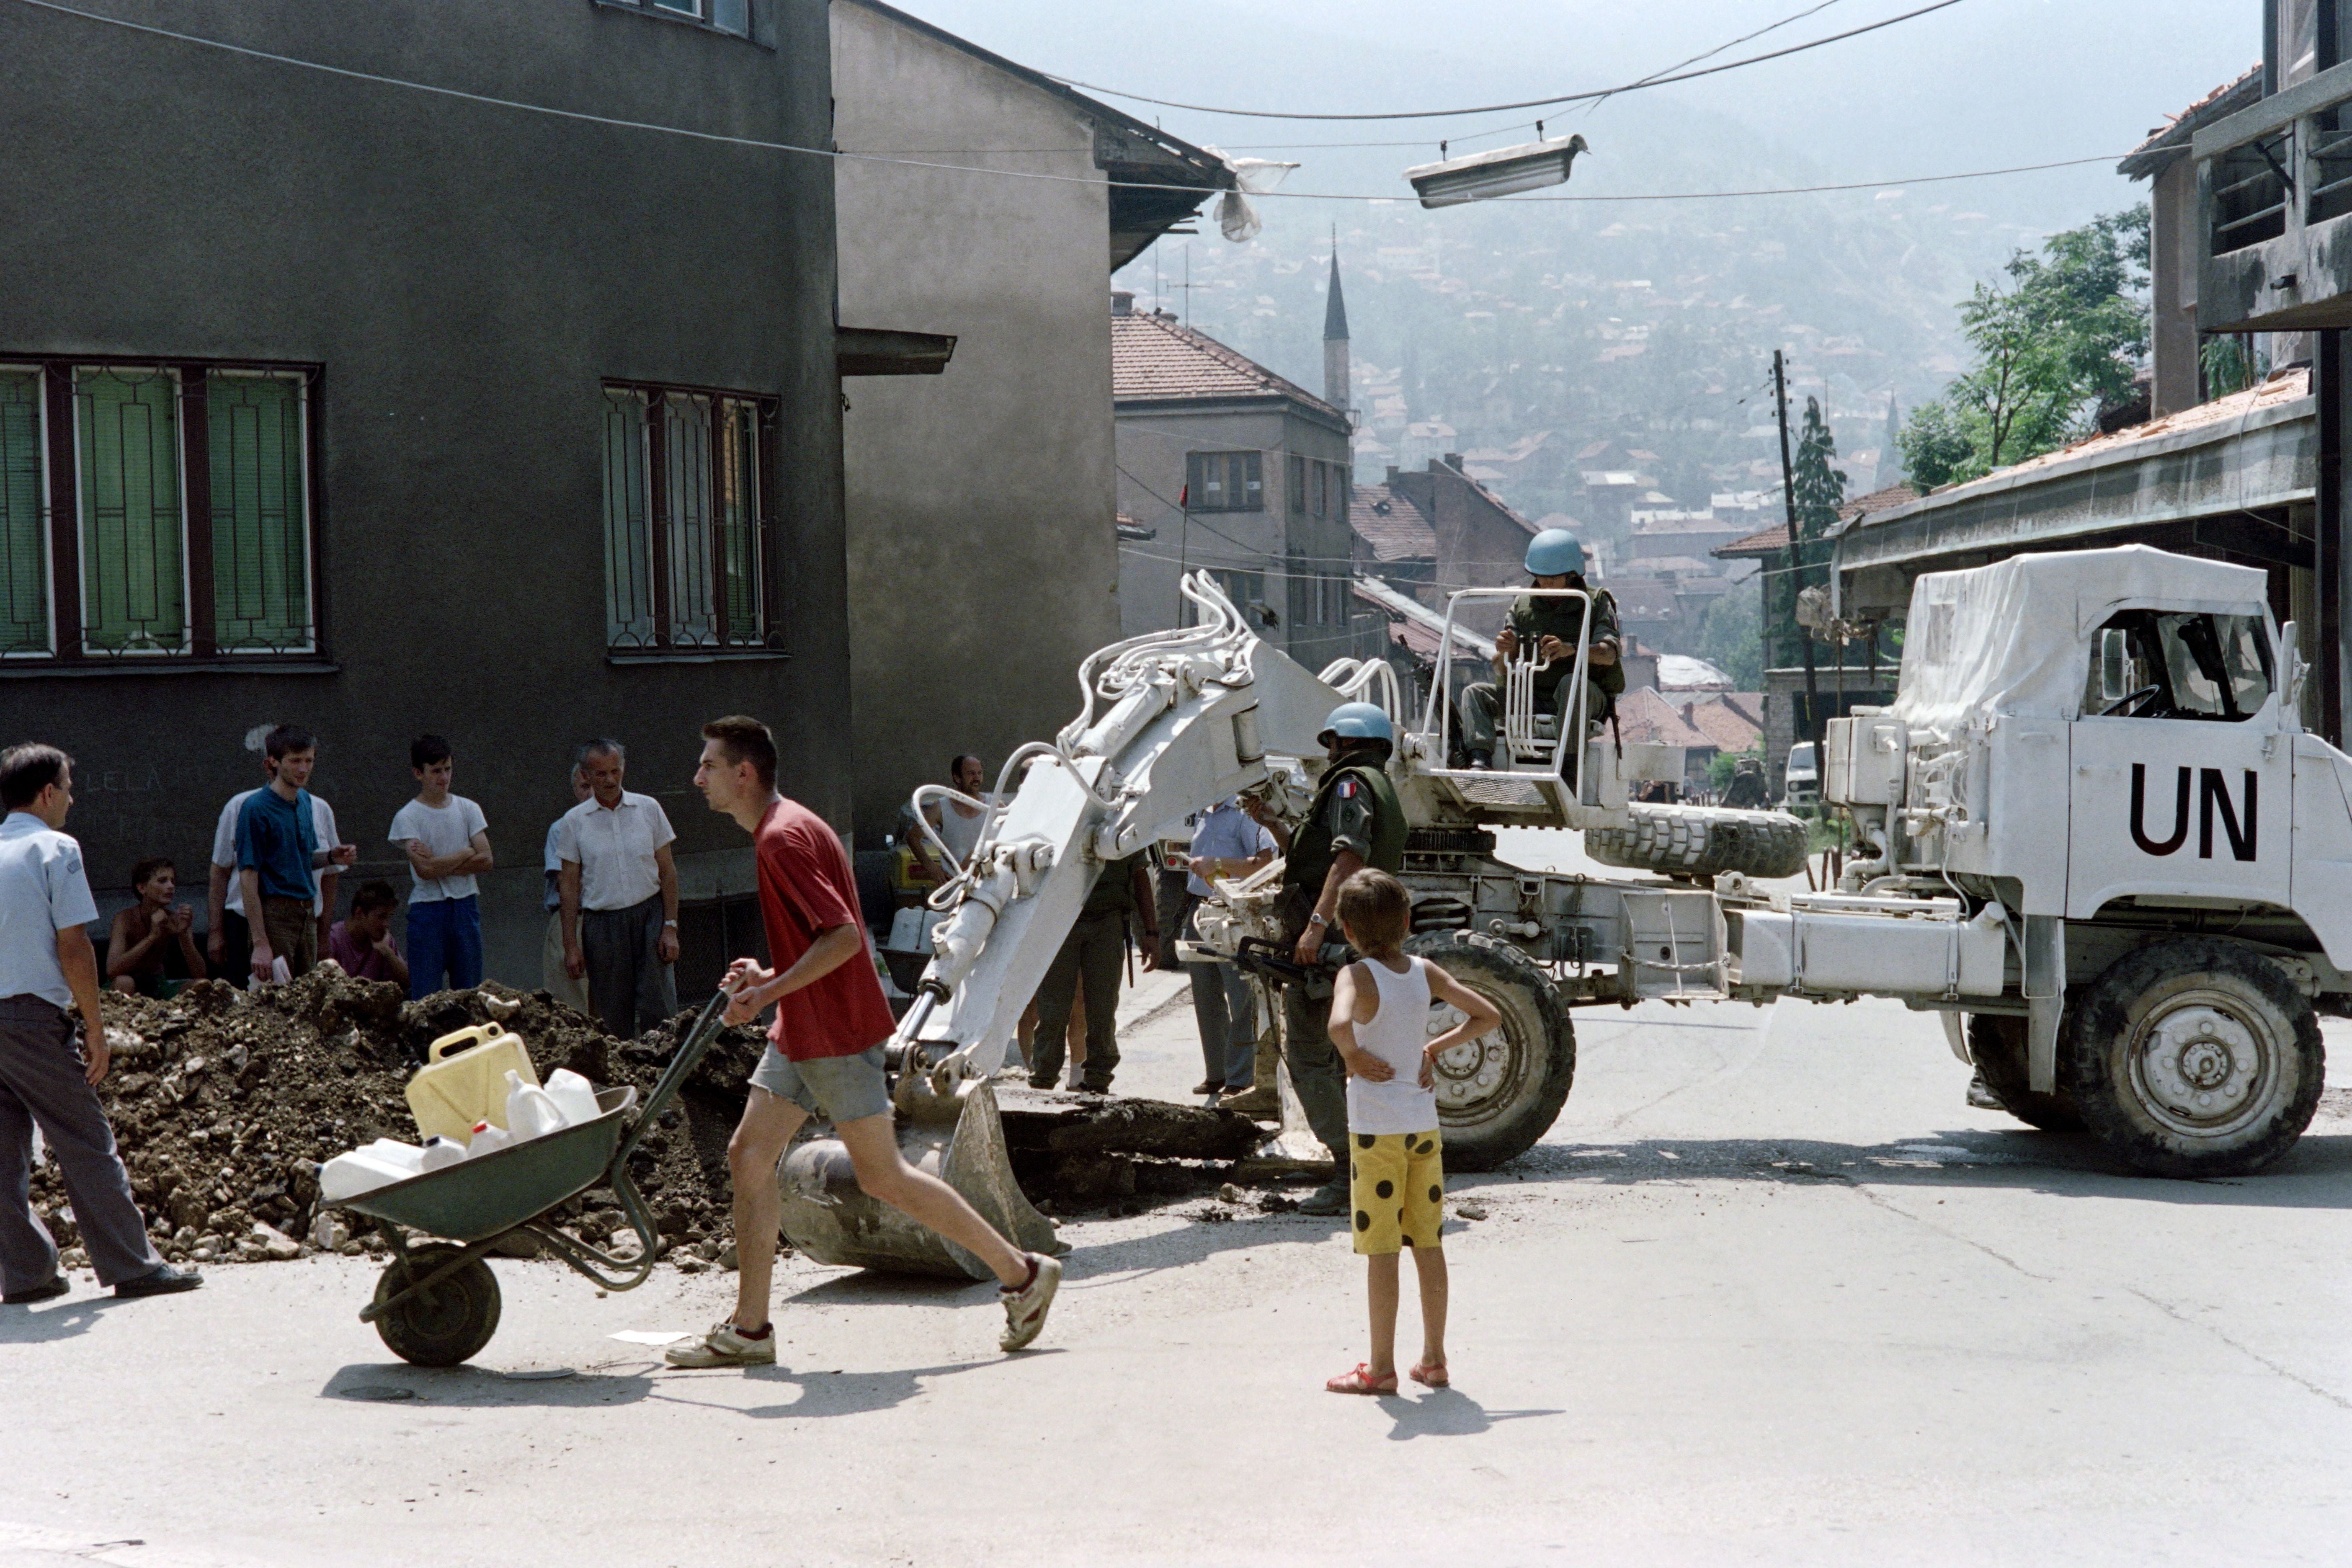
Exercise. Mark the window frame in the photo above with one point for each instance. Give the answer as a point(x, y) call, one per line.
point(1235, 471)
point(60, 416)
point(700, 14)
point(655, 484)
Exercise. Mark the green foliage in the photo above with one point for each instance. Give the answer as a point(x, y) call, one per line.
point(1820, 488)
point(1730, 639)
point(2054, 345)
point(2229, 365)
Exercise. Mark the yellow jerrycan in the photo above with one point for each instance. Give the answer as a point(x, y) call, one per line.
point(464, 1080)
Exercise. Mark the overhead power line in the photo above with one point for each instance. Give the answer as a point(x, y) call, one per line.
point(757, 144)
point(1523, 103)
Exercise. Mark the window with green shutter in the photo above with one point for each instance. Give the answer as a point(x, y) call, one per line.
point(261, 510)
point(687, 521)
point(24, 515)
point(133, 535)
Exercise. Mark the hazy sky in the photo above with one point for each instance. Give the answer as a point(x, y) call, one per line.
point(1983, 84)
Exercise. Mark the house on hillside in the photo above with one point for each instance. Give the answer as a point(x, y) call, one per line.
point(1474, 537)
point(1238, 470)
point(390, 411)
point(978, 439)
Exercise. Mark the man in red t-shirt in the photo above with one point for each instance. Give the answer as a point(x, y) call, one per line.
point(825, 1055)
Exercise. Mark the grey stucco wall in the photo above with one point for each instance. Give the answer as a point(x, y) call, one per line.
point(1155, 440)
point(983, 564)
point(466, 276)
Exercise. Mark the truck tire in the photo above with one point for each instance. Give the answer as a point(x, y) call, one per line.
point(1497, 1095)
point(2192, 1056)
point(1997, 1045)
point(1698, 842)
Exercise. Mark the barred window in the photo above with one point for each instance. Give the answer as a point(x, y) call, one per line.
point(1224, 481)
point(155, 511)
point(686, 520)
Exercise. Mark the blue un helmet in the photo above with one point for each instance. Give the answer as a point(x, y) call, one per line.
point(1554, 552)
point(1358, 721)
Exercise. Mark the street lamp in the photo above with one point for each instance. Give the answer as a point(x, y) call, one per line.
point(1504, 172)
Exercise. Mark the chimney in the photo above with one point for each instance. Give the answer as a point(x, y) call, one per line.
point(1393, 474)
point(1453, 461)
point(1122, 301)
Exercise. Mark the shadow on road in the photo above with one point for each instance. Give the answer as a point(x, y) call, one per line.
point(59, 1319)
point(1447, 1412)
point(822, 1393)
point(2317, 1174)
point(478, 1387)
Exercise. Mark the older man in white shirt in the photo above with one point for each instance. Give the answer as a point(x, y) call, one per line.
point(617, 885)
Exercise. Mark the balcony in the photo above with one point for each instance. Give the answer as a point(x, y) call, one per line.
point(2273, 189)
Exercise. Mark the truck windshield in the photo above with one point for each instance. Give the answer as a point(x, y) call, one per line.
point(1800, 757)
point(2160, 663)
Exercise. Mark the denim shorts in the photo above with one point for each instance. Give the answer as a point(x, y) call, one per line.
point(841, 1088)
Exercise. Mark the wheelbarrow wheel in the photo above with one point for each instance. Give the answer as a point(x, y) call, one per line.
point(447, 1323)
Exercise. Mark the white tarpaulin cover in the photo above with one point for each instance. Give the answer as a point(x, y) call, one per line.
point(2015, 636)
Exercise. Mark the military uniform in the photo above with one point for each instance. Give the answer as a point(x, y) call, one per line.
point(1532, 619)
point(1355, 808)
point(1095, 951)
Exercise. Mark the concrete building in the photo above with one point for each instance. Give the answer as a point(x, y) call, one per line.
point(1470, 536)
point(387, 411)
point(1235, 469)
point(982, 558)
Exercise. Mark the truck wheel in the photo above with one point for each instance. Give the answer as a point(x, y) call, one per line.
point(1997, 1045)
point(1699, 842)
point(1499, 1093)
point(2192, 1057)
point(443, 1325)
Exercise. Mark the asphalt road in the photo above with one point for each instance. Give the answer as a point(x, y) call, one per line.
point(1770, 1293)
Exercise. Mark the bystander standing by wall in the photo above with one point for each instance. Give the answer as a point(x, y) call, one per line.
point(618, 884)
point(228, 941)
point(279, 856)
point(447, 843)
point(48, 974)
point(566, 987)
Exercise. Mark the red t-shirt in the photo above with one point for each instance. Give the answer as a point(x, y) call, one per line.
point(806, 887)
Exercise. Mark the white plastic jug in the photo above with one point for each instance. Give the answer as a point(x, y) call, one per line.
point(488, 1139)
point(379, 1164)
point(531, 1111)
point(440, 1153)
point(574, 1095)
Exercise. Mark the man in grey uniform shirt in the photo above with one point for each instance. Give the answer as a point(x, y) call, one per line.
point(48, 973)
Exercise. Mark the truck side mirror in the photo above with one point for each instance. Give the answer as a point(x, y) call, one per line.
point(2114, 674)
point(2291, 669)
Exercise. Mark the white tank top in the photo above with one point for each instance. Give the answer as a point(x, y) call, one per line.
point(1396, 1034)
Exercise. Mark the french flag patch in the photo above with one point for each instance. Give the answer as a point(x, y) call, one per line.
point(1348, 788)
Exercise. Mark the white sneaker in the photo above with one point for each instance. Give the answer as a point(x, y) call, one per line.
point(1024, 1309)
point(725, 1345)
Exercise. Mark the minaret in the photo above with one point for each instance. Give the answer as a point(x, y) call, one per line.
point(1335, 336)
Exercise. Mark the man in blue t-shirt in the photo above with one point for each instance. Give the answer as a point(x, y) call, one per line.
point(277, 855)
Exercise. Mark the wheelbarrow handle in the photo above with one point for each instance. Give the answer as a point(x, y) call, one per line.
point(683, 1061)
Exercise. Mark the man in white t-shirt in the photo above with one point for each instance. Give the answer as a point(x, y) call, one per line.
point(49, 973)
point(617, 885)
point(570, 989)
point(448, 843)
point(228, 939)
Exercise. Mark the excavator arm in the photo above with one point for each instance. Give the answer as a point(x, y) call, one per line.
point(1172, 723)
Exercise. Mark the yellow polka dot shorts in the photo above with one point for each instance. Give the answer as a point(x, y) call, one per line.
point(1396, 1188)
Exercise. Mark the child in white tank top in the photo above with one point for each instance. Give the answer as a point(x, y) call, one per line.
point(1379, 1024)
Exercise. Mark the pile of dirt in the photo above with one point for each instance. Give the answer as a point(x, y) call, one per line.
point(224, 1101)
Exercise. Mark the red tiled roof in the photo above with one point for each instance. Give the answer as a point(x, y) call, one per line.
point(1390, 525)
point(1151, 356)
point(1643, 715)
point(2173, 138)
point(1725, 728)
point(1767, 540)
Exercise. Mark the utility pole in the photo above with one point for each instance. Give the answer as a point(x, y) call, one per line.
point(1796, 559)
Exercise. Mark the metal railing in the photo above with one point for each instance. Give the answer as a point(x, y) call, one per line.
point(1516, 729)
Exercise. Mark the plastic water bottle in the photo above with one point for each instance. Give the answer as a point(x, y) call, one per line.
point(440, 1153)
point(574, 1095)
point(531, 1111)
point(487, 1140)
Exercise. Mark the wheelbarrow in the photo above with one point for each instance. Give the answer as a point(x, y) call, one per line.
point(436, 1303)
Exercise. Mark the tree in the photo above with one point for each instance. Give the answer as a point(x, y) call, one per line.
point(2055, 344)
point(1820, 490)
point(1727, 639)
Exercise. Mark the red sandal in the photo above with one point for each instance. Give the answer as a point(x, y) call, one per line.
point(1361, 1380)
point(1431, 1376)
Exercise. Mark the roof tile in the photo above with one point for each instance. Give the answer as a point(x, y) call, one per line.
point(1152, 356)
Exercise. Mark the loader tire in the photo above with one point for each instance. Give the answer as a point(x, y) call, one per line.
point(1997, 1046)
point(2192, 1056)
point(1695, 843)
point(1497, 1094)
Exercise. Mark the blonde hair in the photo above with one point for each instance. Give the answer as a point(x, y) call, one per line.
point(1375, 911)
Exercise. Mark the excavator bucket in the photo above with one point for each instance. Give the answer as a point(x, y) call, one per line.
point(947, 1127)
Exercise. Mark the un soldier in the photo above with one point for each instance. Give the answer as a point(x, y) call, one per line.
point(1354, 821)
point(1551, 628)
